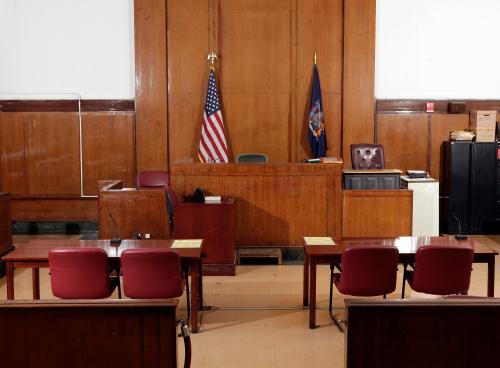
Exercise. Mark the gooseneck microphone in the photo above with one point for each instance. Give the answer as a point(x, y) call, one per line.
point(116, 240)
point(458, 236)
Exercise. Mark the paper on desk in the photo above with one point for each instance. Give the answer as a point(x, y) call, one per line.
point(318, 240)
point(187, 243)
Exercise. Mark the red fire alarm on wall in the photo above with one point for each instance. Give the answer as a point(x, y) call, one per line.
point(430, 107)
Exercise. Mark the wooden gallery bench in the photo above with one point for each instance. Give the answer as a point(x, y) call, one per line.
point(83, 334)
point(423, 333)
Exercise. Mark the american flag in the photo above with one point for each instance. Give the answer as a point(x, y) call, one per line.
point(213, 146)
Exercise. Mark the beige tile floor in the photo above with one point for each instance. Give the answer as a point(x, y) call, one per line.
point(258, 319)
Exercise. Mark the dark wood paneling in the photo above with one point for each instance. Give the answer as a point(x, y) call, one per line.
point(151, 84)
point(404, 137)
point(5, 224)
point(274, 203)
point(121, 333)
point(54, 209)
point(65, 105)
point(53, 153)
point(358, 74)
point(440, 106)
point(410, 106)
point(108, 149)
point(13, 170)
point(422, 333)
point(441, 126)
point(376, 213)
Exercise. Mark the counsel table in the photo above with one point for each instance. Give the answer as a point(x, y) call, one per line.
point(407, 246)
point(34, 254)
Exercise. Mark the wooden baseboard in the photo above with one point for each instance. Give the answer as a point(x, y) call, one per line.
point(219, 270)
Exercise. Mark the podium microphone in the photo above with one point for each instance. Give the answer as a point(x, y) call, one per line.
point(458, 236)
point(116, 240)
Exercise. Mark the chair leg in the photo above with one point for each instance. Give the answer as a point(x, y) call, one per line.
point(339, 323)
point(404, 281)
point(331, 289)
point(118, 282)
point(188, 302)
point(119, 288)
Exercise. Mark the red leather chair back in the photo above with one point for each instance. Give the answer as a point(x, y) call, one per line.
point(157, 179)
point(368, 270)
point(79, 273)
point(442, 269)
point(151, 273)
point(367, 156)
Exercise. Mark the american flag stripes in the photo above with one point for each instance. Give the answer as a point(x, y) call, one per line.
point(213, 146)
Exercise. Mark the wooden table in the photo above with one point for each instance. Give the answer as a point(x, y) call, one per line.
point(407, 246)
point(34, 254)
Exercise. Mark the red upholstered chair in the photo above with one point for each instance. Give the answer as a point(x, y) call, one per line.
point(440, 270)
point(151, 273)
point(153, 179)
point(367, 156)
point(159, 179)
point(366, 270)
point(81, 273)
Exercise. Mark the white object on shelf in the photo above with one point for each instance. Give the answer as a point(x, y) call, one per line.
point(425, 221)
point(213, 199)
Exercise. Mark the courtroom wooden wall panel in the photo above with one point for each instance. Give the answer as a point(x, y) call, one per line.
point(358, 74)
point(404, 137)
point(319, 29)
point(108, 149)
point(441, 126)
point(151, 84)
point(255, 47)
point(188, 46)
point(376, 213)
point(264, 71)
point(13, 173)
point(54, 209)
point(53, 153)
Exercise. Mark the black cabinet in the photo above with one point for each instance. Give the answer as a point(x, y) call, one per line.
point(468, 189)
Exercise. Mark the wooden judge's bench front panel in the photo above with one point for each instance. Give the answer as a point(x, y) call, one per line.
point(277, 204)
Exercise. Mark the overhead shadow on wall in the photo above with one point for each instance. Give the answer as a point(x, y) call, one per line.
point(267, 229)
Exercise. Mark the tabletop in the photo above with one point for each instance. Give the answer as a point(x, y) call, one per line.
point(38, 249)
point(407, 245)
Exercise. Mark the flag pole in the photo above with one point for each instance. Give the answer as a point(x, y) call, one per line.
point(315, 59)
point(212, 57)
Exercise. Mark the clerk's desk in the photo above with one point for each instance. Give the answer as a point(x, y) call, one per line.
point(374, 206)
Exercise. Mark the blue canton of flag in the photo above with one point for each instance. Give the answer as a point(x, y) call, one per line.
point(213, 146)
point(317, 133)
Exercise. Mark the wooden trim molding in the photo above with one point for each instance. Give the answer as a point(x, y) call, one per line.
point(440, 106)
point(66, 105)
